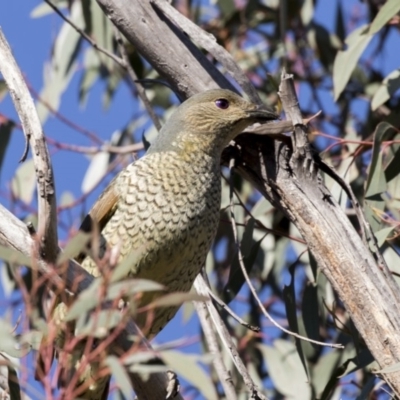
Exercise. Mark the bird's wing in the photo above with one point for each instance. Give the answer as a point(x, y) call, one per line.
point(102, 210)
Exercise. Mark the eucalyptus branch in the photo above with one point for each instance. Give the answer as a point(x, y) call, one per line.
point(47, 212)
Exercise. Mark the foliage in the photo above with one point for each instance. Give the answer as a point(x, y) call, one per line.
point(339, 61)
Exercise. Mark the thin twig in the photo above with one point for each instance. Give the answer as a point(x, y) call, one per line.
point(134, 78)
point(231, 312)
point(248, 280)
point(258, 222)
point(118, 60)
point(89, 134)
point(105, 148)
point(202, 288)
point(224, 375)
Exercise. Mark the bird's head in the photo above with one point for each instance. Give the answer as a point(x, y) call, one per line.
point(209, 120)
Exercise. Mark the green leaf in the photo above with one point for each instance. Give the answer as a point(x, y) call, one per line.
point(124, 267)
point(89, 298)
point(3, 89)
point(32, 338)
point(13, 383)
point(289, 298)
point(386, 90)
point(391, 368)
point(14, 256)
point(92, 68)
point(87, 11)
point(59, 71)
point(349, 366)
point(139, 357)
point(7, 284)
point(112, 84)
point(382, 235)
point(310, 312)
point(261, 208)
point(323, 371)
point(74, 247)
point(24, 181)
point(130, 287)
point(286, 370)
point(85, 301)
point(186, 365)
point(392, 170)
point(247, 238)
point(376, 185)
point(96, 171)
point(346, 60)
point(177, 299)
point(99, 324)
point(236, 277)
point(67, 199)
point(145, 370)
point(5, 134)
point(307, 12)
point(385, 14)
point(325, 42)
point(227, 7)
point(120, 375)
point(376, 182)
point(9, 343)
point(44, 9)
point(340, 26)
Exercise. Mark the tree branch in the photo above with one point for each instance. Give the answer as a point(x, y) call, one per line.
point(47, 225)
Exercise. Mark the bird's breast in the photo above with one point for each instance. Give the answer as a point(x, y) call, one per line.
point(169, 210)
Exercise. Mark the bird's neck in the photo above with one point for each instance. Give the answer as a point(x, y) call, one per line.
point(189, 144)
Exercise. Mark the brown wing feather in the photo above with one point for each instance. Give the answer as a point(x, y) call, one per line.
point(101, 212)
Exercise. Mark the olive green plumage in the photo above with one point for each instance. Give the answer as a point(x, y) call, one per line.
point(165, 206)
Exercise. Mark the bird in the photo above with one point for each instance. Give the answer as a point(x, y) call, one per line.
point(165, 206)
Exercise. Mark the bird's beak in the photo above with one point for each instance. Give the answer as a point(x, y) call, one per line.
point(260, 114)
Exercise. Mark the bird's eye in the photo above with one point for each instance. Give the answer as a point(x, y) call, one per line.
point(222, 103)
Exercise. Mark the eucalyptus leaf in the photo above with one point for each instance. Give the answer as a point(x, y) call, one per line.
point(283, 361)
point(13, 383)
point(14, 256)
point(74, 247)
point(289, 297)
point(6, 129)
point(388, 10)
point(176, 299)
point(97, 170)
point(120, 375)
point(59, 71)
point(346, 60)
point(389, 86)
point(24, 181)
point(186, 365)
